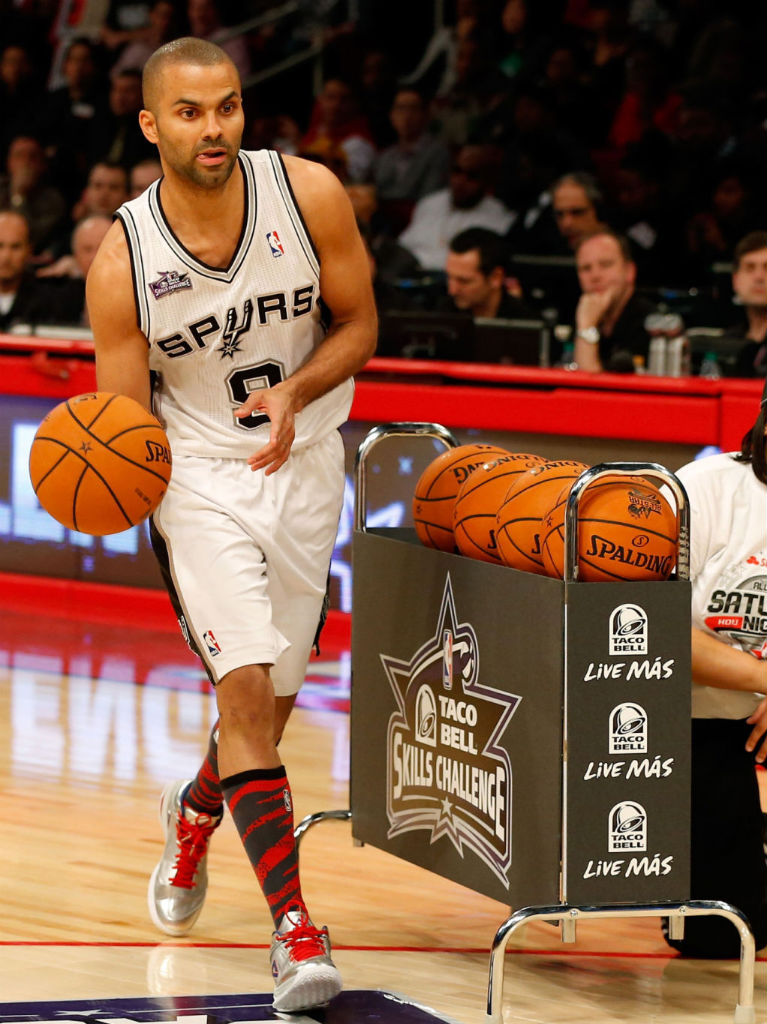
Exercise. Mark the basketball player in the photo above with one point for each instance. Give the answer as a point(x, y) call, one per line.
point(238, 286)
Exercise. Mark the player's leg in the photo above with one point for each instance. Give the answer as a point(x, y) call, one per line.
point(218, 590)
point(257, 793)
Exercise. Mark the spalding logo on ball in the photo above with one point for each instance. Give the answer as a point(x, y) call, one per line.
point(100, 463)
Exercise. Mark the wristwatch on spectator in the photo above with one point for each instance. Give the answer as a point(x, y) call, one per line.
point(588, 334)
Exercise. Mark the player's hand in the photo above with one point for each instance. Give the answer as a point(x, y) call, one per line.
point(759, 732)
point(275, 403)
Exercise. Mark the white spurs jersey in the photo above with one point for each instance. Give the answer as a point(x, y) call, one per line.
point(215, 335)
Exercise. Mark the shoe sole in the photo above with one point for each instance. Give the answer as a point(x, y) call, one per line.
point(165, 819)
point(309, 993)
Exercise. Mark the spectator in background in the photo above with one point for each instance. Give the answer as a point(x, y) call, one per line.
point(161, 27)
point(523, 39)
point(73, 117)
point(749, 284)
point(121, 140)
point(142, 175)
point(640, 212)
point(569, 209)
point(24, 298)
point(610, 316)
point(576, 201)
point(416, 165)
point(107, 188)
point(466, 203)
point(336, 125)
point(25, 187)
point(86, 238)
point(478, 276)
point(459, 116)
point(20, 94)
point(649, 102)
point(205, 23)
point(713, 232)
point(377, 87)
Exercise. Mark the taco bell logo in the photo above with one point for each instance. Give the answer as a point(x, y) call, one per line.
point(426, 717)
point(627, 828)
point(628, 729)
point(628, 630)
point(275, 244)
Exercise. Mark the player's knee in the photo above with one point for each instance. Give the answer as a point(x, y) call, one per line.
point(246, 703)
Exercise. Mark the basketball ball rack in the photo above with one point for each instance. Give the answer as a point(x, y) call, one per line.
point(581, 716)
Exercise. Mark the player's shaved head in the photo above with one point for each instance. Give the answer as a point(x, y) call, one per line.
point(187, 50)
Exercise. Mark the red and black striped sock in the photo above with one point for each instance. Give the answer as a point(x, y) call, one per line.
point(204, 794)
point(262, 808)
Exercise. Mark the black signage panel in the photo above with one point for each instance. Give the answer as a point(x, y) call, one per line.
point(627, 713)
point(456, 717)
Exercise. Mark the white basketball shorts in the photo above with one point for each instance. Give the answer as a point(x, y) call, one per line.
point(246, 556)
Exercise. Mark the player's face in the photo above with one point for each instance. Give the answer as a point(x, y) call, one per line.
point(750, 279)
point(198, 122)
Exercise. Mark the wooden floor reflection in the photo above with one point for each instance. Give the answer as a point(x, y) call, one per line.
point(96, 716)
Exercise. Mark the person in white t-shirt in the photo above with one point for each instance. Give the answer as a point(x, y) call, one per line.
point(728, 561)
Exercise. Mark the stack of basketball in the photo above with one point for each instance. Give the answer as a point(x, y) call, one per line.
point(509, 508)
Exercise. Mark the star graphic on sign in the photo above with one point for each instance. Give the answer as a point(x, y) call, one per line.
point(446, 807)
point(86, 447)
point(230, 346)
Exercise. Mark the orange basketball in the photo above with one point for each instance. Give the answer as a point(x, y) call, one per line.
point(626, 531)
point(518, 525)
point(437, 488)
point(99, 463)
point(478, 500)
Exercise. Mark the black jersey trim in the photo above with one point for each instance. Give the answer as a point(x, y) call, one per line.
point(297, 208)
point(134, 252)
point(224, 274)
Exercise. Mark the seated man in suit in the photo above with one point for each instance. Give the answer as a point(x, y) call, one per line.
point(24, 298)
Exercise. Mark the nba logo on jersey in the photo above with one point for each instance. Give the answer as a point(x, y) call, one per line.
point(211, 643)
point(275, 244)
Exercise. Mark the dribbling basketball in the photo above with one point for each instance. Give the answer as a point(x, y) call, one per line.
point(100, 463)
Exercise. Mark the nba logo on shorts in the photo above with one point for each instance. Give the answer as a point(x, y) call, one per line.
point(211, 643)
point(627, 827)
point(628, 729)
point(275, 244)
point(447, 659)
point(628, 630)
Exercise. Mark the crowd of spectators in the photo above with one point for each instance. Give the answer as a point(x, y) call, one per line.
point(541, 121)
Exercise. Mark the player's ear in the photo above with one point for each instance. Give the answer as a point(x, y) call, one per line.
point(148, 125)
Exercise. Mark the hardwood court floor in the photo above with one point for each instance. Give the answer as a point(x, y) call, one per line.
point(98, 711)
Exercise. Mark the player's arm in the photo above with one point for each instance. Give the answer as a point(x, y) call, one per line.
point(122, 352)
point(715, 663)
point(346, 288)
